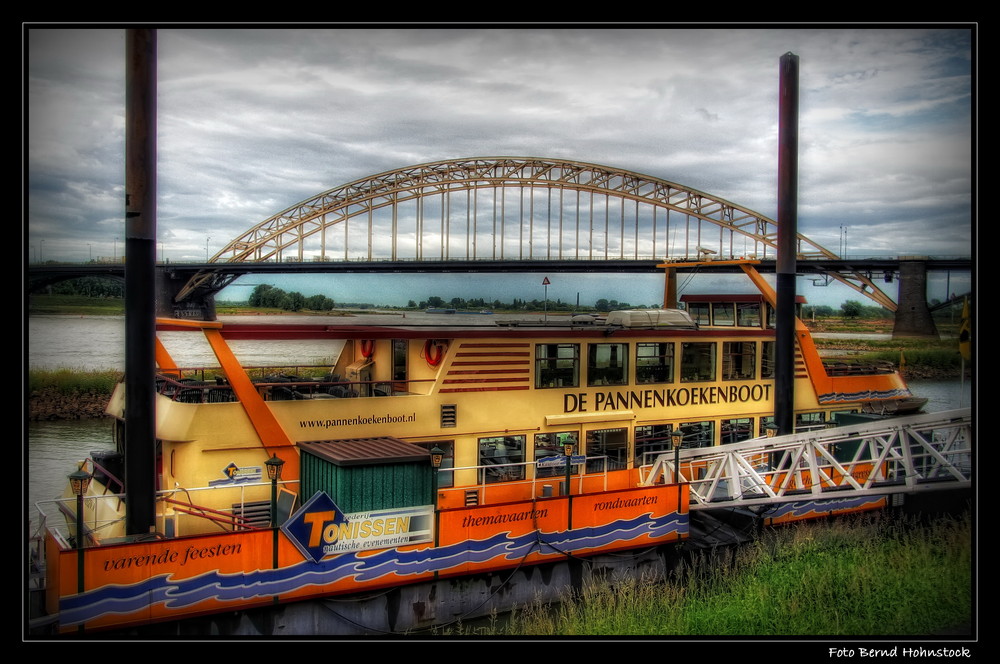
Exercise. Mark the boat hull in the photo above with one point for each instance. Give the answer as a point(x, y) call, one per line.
point(142, 582)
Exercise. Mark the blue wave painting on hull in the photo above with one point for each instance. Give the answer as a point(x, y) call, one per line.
point(820, 507)
point(361, 566)
point(864, 395)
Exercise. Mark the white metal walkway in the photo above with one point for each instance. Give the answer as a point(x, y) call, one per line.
point(899, 455)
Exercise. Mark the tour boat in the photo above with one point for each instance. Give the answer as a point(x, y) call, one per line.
point(428, 452)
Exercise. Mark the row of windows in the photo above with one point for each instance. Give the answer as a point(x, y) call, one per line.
point(729, 314)
point(503, 457)
point(558, 365)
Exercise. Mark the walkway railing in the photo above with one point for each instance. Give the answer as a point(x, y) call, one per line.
point(898, 455)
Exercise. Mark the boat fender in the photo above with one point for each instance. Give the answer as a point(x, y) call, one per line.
point(433, 352)
point(367, 348)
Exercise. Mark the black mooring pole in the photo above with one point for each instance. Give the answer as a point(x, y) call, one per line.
point(788, 166)
point(140, 280)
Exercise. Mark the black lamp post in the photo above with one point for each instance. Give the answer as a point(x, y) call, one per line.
point(676, 440)
point(437, 457)
point(79, 481)
point(274, 465)
point(568, 451)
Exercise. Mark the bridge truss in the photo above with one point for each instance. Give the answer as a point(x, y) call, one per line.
point(516, 209)
point(897, 455)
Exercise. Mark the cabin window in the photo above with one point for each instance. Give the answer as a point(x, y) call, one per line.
point(651, 439)
point(699, 312)
point(771, 320)
point(804, 421)
point(697, 362)
point(607, 364)
point(723, 314)
point(611, 445)
point(838, 415)
point(549, 453)
point(735, 430)
point(765, 422)
point(697, 434)
point(654, 363)
point(446, 477)
point(738, 359)
point(399, 359)
point(501, 458)
point(767, 359)
point(557, 365)
point(748, 314)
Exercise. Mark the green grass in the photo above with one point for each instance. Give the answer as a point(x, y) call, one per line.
point(75, 305)
point(870, 575)
point(68, 381)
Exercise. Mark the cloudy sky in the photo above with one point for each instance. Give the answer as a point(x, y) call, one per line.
point(253, 121)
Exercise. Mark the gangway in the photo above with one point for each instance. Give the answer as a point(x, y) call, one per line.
point(905, 454)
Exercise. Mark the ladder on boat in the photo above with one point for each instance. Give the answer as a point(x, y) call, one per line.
point(898, 455)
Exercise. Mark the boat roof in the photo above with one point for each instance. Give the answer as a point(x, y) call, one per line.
point(365, 451)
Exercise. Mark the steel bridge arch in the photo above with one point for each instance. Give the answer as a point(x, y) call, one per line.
point(310, 228)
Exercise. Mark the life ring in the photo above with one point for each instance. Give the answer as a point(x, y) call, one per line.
point(367, 348)
point(433, 352)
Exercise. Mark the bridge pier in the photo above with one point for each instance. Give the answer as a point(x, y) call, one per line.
point(199, 305)
point(913, 316)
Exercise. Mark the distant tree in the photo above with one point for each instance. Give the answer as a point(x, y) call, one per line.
point(90, 287)
point(411, 305)
point(435, 301)
point(851, 309)
point(319, 303)
point(296, 301)
point(258, 295)
point(823, 310)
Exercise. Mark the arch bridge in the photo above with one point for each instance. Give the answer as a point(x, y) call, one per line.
point(515, 210)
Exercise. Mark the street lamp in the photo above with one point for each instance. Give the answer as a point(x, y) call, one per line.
point(546, 282)
point(79, 482)
point(676, 440)
point(568, 451)
point(437, 457)
point(273, 466)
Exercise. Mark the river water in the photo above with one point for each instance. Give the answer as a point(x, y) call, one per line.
point(98, 342)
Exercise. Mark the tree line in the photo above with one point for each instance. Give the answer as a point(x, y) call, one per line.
point(269, 297)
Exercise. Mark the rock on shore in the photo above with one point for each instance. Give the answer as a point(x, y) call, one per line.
point(53, 404)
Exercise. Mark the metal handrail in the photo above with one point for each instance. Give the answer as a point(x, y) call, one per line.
point(904, 454)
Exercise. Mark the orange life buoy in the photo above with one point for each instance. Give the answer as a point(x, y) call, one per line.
point(433, 352)
point(367, 348)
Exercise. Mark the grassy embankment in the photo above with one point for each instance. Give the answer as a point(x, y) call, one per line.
point(866, 575)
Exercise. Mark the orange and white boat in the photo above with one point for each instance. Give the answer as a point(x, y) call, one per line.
point(430, 451)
